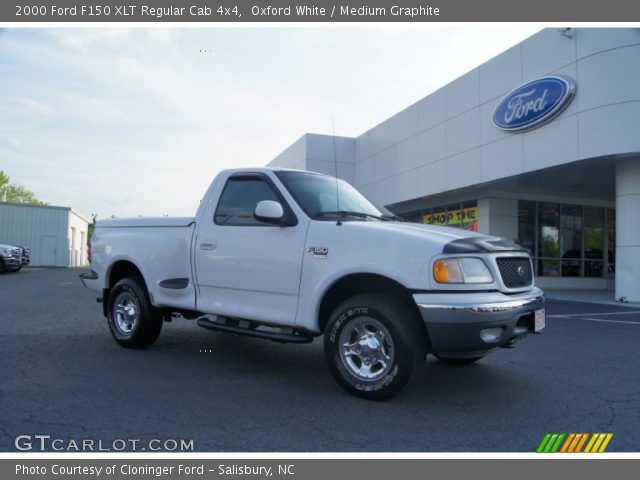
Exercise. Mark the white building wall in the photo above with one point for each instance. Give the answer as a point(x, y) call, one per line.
point(498, 216)
point(320, 153)
point(627, 230)
point(41, 228)
point(78, 227)
point(447, 140)
point(295, 156)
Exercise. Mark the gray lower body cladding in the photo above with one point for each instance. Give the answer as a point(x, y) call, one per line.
point(457, 323)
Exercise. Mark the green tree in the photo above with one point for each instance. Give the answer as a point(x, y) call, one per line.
point(10, 192)
point(4, 181)
point(92, 227)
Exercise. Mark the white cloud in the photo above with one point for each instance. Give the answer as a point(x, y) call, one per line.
point(138, 121)
point(35, 106)
point(85, 39)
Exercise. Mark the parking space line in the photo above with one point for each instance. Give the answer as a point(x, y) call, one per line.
point(630, 312)
point(609, 321)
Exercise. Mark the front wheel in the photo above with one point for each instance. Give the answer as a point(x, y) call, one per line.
point(133, 321)
point(373, 344)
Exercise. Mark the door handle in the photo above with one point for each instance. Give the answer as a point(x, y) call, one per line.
point(211, 245)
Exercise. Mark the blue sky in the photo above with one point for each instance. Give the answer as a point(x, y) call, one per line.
point(138, 121)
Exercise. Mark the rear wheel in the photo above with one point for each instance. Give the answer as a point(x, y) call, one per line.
point(133, 321)
point(373, 344)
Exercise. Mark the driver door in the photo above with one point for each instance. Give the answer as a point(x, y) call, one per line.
point(246, 268)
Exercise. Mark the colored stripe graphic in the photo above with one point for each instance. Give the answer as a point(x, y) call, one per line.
point(543, 443)
point(551, 443)
point(570, 439)
point(605, 443)
point(573, 442)
point(581, 443)
point(556, 445)
point(598, 442)
point(590, 444)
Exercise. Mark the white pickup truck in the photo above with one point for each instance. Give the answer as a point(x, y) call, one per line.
point(289, 255)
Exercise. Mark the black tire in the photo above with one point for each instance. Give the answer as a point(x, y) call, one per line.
point(131, 296)
point(402, 355)
point(2, 267)
point(458, 360)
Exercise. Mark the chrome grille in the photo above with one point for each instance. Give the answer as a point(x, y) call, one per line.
point(515, 271)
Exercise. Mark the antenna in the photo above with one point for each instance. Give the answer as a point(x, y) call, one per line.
point(335, 164)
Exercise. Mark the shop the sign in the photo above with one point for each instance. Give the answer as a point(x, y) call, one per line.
point(534, 103)
point(466, 218)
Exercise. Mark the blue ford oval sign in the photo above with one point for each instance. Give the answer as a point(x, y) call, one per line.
point(534, 103)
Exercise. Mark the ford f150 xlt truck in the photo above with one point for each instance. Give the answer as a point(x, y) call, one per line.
point(289, 255)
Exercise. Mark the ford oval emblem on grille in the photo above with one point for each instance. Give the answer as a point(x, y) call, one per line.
point(534, 103)
point(521, 271)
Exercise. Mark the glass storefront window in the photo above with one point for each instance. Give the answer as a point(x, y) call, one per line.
point(549, 268)
point(593, 241)
point(414, 217)
point(549, 231)
point(611, 242)
point(527, 224)
point(568, 240)
point(571, 240)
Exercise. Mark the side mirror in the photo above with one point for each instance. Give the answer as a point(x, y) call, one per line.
point(269, 211)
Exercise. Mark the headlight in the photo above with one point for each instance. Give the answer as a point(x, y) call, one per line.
point(461, 270)
point(4, 252)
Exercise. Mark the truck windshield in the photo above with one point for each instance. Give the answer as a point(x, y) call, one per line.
point(318, 196)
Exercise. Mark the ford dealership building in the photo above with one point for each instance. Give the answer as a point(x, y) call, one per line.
point(541, 144)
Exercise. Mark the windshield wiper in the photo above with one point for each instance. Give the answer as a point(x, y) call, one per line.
point(346, 213)
point(393, 217)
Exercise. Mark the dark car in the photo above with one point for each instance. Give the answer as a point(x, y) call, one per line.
point(26, 256)
point(10, 258)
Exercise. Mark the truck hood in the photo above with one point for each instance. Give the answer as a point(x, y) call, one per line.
point(451, 240)
point(146, 222)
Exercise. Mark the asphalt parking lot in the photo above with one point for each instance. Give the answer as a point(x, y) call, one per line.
point(61, 374)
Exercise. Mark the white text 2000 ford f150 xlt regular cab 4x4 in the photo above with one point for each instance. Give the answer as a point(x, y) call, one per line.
point(289, 255)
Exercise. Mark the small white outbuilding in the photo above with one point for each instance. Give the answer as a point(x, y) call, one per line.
point(57, 236)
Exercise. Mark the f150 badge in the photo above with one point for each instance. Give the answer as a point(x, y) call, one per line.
point(319, 251)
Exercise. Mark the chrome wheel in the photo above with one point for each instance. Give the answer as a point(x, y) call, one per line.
point(127, 312)
point(366, 348)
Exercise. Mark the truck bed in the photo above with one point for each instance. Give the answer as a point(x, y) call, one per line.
point(160, 247)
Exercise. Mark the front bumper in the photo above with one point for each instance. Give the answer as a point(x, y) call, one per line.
point(455, 321)
point(12, 262)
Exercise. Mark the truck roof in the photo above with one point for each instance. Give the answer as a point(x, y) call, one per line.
point(272, 169)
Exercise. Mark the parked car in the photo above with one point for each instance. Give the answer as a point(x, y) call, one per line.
point(26, 256)
point(290, 255)
point(10, 258)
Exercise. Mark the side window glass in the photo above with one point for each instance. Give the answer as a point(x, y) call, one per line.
point(239, 199)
